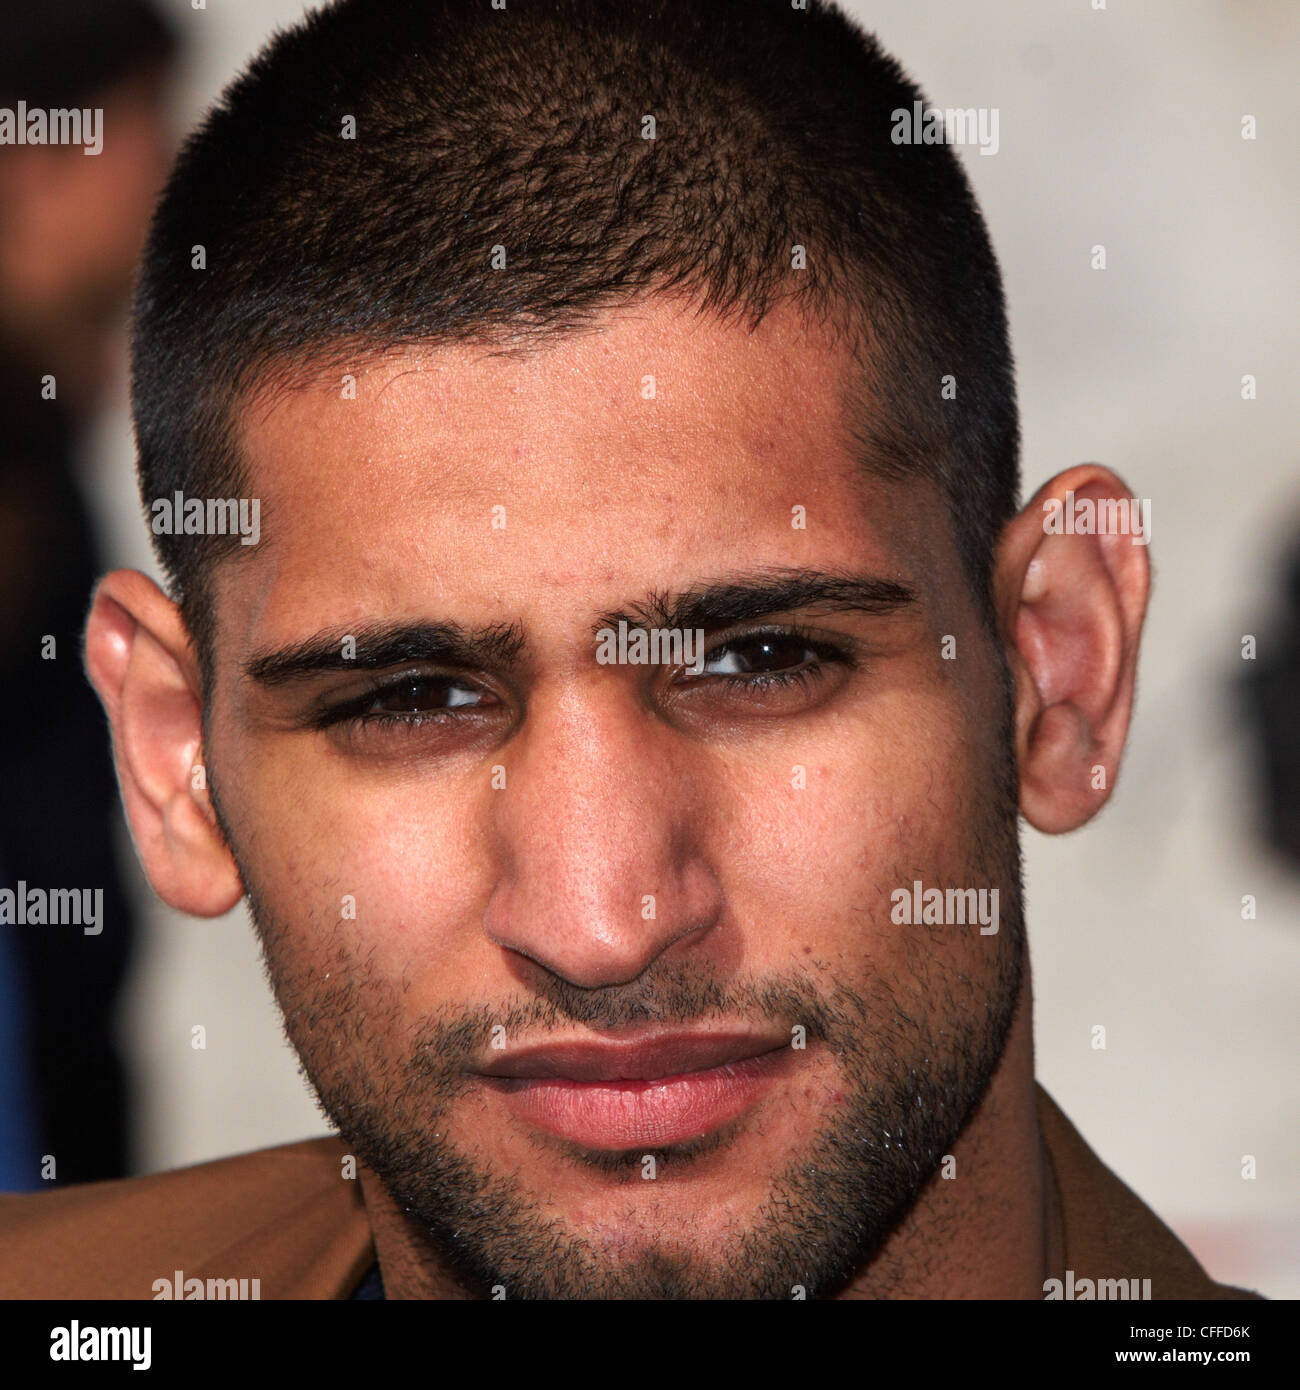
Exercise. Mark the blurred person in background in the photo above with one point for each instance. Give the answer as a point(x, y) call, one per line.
point(73, 218)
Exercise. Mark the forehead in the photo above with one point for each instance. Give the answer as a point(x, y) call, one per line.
point(660, 447)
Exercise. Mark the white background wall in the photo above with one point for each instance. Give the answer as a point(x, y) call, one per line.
point(1119, 127)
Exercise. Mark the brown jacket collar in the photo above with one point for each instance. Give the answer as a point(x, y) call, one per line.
point(287, 1217)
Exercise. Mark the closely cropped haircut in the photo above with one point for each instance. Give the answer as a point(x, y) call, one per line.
point(349, 189)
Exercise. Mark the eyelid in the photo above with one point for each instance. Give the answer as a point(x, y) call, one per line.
point(839, 649)
point(333, 709)
point(843, 646)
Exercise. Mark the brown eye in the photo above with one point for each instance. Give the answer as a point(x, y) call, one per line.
point(761, 654)
point(423, 695)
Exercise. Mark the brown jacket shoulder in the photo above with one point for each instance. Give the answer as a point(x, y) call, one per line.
point(1110, 1232)
point(285, 1216)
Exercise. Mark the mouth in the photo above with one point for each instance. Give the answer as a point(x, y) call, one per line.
point(647, 1093)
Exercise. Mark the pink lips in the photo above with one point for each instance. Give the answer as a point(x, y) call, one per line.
point(647, 1093)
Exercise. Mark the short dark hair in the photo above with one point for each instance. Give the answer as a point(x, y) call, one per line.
point(524, 127)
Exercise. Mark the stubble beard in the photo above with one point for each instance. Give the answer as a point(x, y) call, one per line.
point(908, 1092)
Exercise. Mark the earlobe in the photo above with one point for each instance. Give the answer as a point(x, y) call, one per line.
point(1071, 597)
point(139, 660)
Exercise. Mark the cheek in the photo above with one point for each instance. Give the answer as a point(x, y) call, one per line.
point(388, 873)
point(810, 857)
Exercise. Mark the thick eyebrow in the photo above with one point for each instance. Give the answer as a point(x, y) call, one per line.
point(710, 606)
point(745, 598)
point(381, 645)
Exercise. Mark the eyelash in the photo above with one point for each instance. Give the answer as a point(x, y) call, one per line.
point(354, 712)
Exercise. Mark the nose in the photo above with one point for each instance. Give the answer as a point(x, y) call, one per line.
point(601, 857)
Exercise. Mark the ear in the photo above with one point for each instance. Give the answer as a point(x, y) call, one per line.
point(1070, 604)
point(139, 659)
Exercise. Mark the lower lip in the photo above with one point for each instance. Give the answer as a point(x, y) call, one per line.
point(619, 1115)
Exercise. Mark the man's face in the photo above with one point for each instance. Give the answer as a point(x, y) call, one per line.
point(596, 963)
